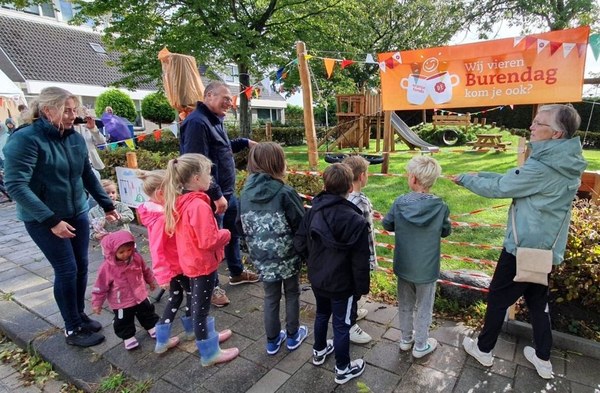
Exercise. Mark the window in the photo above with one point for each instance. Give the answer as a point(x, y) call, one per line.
point(66, 9)
point(263, 114)
point(47, 9)
point(97, 48)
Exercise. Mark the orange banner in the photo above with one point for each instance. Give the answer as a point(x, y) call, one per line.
point(535, 69)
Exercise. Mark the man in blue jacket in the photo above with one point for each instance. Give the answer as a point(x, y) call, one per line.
point(203, 132)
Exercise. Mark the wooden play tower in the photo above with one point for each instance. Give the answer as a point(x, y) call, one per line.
point(356, 115)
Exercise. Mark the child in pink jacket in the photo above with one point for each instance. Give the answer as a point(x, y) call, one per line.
point(165, 261)
point(121, 281)
point(200, 245)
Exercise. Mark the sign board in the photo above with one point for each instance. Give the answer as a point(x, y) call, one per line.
point(130, 187)
point(533, 69)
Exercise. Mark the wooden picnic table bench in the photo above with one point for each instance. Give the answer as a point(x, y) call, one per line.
point(485, 141)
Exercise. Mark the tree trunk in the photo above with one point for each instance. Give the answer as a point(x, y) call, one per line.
point(244, 108)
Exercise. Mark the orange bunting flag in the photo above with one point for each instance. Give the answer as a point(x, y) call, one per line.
point(141, 137)
point(554, 46)
point(157, 135)
point(248, 92)
point(130, 144)
point(346, 63)
point(329, 63)
point(390, 63)
point(234, 102)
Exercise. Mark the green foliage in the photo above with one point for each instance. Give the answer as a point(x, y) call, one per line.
point(436, 136)
point(156, 108)
point(146, 160)
point(289, 136)
point(120, 102)
point(578, 276)
point(167, 144)
point(117, 382)
point(294, 115)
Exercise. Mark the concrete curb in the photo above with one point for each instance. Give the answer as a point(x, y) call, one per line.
point(79, 366)
point(560, 340)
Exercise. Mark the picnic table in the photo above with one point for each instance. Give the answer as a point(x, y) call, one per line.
point(486, 141)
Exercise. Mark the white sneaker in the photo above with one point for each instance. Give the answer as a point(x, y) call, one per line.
point(361, 313)
point(543, 367)
point(358, 336)
point(470, 345)
point(406, 345)
point(430, 347)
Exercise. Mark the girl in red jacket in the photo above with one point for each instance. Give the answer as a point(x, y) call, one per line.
point(200, 245)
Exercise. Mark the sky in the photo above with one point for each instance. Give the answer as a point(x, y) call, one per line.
point(502, 31)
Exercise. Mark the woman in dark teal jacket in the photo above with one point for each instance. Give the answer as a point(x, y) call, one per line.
point(47, 171)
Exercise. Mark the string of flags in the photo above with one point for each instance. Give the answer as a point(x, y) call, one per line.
point(484, 111)
point(129, 142)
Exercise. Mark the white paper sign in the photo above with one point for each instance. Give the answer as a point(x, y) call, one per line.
point(130, 187)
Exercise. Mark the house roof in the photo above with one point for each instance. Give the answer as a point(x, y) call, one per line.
point(67, 54)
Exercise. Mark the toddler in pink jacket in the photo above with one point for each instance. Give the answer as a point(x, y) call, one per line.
point(165, 262)
point(121, 281)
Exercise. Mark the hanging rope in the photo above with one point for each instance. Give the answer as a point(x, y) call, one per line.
point(590, 118)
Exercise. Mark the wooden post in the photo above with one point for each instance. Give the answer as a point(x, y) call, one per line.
point(378, 134)
point(269, 132)
point(522, 151)
point(387, 130)
point(424, 116)
point(361, 132)
point(309, 119)
point(131, 160)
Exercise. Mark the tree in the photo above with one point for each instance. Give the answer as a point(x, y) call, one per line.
point(120, 102)
point(253, 34)
point(553, 15)
point(156, 108)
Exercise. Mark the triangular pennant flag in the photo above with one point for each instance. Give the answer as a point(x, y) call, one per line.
point(369, 59)
point(517, 40)
point(529, 41)
point(234, 102)
point(295, 61)
point(266, 82)
point(156, 134)
point(248, 92)
point(130, 144)
point(308, 57)
point(346, 63)
point(567, 48)
point(390, 63)
point(512, 106)
point(141, 137)
point(329, 63)
point(541, 44)
point(382, 66)
point(279, 73)
point(284, 75)
point(113, 145)
point(595, 44)
point(256, 92)
point(396, 56)
point(554, 47)
point(581, 49)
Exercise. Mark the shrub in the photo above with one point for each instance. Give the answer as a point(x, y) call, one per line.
point(120, 102)
point(436, 137)
point(156, 108)
point(289, 136)
point(147, 160)
point(308, 185)
point(167, 143)
point(578, 276)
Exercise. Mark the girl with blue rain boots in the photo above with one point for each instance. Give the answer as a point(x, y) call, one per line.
point(165, 261)
point(200, 245)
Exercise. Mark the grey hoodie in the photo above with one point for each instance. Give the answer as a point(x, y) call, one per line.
point(419, 221)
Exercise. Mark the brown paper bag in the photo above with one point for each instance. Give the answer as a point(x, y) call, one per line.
point(183, 85)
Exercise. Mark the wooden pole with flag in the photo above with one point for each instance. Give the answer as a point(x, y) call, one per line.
point(309, 120)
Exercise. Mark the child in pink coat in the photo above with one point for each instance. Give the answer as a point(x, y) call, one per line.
point(165, 261)
point(200, 245)
point(122, 281)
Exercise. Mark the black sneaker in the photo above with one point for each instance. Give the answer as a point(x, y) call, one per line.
point(90, 324)
point(320, 356)
point(353, 370)
point(83, 338)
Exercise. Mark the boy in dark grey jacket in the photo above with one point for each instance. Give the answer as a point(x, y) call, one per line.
point(335, 239)
point(418, 219)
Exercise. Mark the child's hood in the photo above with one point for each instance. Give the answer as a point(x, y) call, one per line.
point(186, 199)
point(112, 242)
point(420, 209)
point(149, 212)
point(261, 188)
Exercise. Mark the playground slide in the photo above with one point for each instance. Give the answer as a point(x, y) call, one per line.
point(409, 136)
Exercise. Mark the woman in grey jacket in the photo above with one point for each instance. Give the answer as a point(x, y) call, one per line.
point(542, 191)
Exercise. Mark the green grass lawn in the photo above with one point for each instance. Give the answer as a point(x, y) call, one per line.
point(382, 190)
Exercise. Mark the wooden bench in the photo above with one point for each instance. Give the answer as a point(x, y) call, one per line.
point(590, 185)
point(452, 120)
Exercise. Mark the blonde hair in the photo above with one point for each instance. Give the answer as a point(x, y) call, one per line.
point(425, 169)
point(358, 164)
point(151, 180)
point(337, 179)
point(50, 97)
point(107, 183)
point(267, 157)
point(178, 174)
